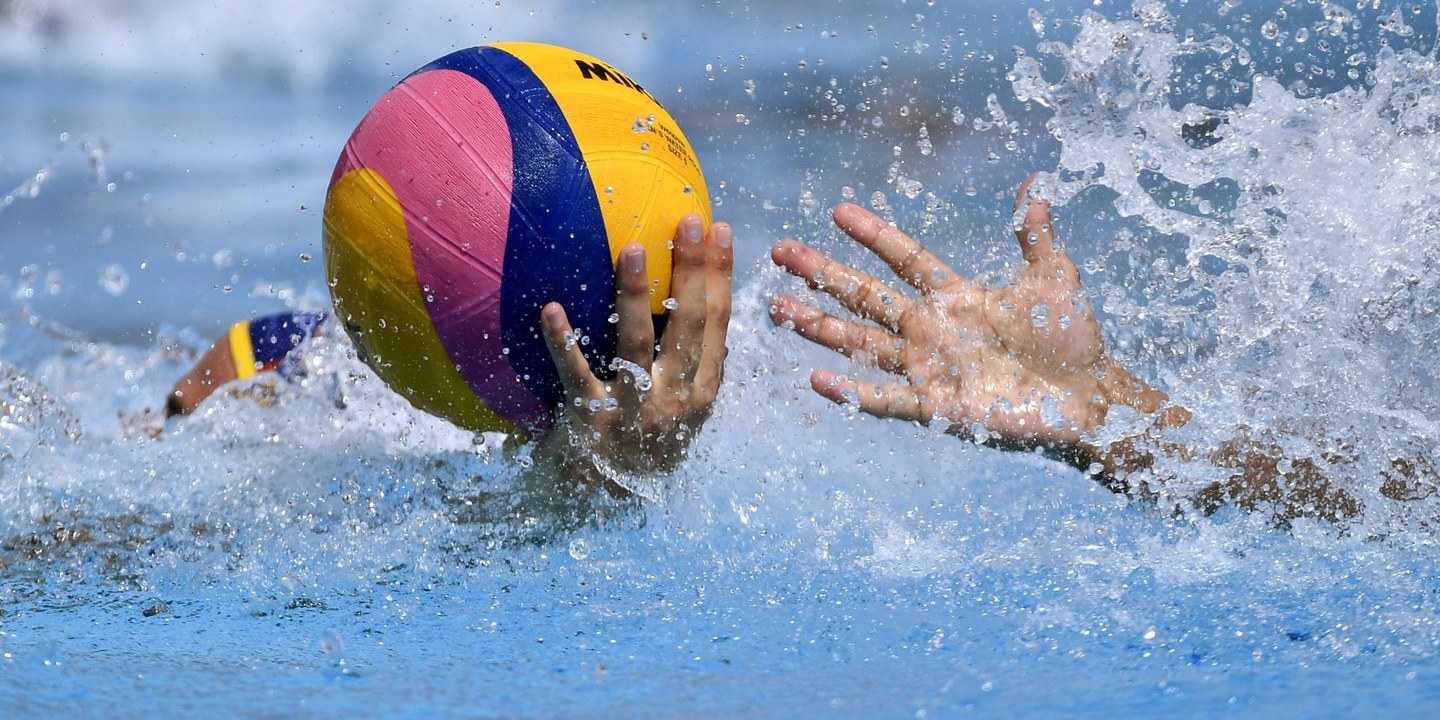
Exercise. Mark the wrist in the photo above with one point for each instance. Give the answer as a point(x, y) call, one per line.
point(1119, 387)
point(571, 454)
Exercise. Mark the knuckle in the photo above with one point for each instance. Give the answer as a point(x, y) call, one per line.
point(702, 397)
point(637, 286)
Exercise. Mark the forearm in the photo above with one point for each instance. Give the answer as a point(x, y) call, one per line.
point(1262, 478)
point(1258, 475)
point(215, 368)
point(1112, 463)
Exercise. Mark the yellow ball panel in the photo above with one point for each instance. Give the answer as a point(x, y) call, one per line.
point(639, 161)
point(373, 285)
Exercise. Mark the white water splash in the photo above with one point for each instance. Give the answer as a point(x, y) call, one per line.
point(1310, 240)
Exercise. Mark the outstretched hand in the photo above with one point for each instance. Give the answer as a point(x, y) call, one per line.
point(1025, 362)
point(643, 418)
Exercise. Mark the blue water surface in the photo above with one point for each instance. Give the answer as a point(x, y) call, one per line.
point(332, 551)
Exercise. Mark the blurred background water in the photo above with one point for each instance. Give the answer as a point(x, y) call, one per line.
point(162, 170)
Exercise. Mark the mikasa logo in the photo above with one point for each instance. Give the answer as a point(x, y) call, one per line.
point(600, 71)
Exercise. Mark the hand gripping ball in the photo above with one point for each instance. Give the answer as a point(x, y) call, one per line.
point(484, 185)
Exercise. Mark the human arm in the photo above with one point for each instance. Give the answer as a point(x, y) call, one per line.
point(248, 347)
point(215, 368)
point(642, 420)
point(631, 429)
point(1023, 366)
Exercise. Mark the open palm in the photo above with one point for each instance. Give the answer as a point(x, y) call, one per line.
point(1025, 362)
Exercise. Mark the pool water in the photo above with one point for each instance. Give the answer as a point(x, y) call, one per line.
point(321, 547)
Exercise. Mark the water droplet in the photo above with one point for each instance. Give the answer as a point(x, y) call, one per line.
point(642, 379)
point(1037, 22)
point(114, 280)
point(909, 187)
point(332, 645)
point(670, 303)
point(1040, 315)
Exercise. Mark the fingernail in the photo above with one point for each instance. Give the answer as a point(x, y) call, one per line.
point(553, 317)
point(691, 229)
point(632, 259)
point(724, 237)
point(777, 310)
